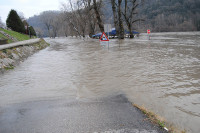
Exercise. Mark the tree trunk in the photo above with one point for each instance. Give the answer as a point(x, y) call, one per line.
point(48, 28)
point(83, 33)
point(130, 31)
point(90, 20)
point(65, 34)
point(129, 25)
point(99, 21)
point(128, 13)
point(115, 16)
point(91, 29)
point(121, 27)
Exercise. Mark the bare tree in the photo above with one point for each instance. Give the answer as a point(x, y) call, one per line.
point(196, 20)
point(97, 13)
point(46, 18)
point(90, 17)
point(115, 17)
point(71, 17)
point(56, 24)
point(129, 13)
point(39, 32)
point(121, 27)
point(82, 6)
point(80, 18)
point(160, 22)
point(117, 14)
point(64, 28)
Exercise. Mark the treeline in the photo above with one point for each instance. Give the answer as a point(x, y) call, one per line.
point(15, 23)
point(87, 17)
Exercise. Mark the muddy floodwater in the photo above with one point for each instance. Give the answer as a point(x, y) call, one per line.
point(162, 74)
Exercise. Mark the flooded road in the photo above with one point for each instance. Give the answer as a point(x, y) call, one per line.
point(163, 74)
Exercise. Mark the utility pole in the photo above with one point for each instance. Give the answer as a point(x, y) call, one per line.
point(29, 31)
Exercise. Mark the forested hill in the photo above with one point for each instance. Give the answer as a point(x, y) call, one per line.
point(167, 7)
point(171, 15)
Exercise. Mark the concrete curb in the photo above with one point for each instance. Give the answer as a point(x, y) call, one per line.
point(14, 53)
point(21, 43)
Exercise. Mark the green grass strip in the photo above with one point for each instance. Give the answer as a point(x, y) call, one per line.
point(18, 36)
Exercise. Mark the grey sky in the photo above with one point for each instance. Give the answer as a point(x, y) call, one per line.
point(28, 7)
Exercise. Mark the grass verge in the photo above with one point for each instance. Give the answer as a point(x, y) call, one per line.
point(158, 120)
point(4, 37)
point(18, 36)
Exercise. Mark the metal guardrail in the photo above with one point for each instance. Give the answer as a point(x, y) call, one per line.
point(21, 43)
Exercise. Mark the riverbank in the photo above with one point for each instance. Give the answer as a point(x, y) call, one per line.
point(14, 53)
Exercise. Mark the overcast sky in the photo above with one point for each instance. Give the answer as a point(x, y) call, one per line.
point(28, 7)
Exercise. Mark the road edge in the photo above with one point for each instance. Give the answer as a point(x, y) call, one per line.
point(12, 54)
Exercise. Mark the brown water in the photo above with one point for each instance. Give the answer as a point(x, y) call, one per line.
point(163, 74)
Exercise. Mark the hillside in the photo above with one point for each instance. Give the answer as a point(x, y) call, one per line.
point(172, 15)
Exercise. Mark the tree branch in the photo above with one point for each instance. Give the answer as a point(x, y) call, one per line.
point(137, 20)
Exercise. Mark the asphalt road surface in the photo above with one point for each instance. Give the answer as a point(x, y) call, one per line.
point(107, 115)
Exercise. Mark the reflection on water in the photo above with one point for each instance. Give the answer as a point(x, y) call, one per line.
point(163, 74)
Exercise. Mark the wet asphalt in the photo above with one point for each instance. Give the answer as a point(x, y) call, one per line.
point(107, 115)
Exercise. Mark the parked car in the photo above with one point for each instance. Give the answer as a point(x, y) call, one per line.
point(113, 34)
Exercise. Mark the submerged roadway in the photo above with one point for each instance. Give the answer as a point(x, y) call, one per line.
point(35, 99)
